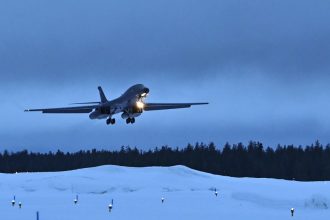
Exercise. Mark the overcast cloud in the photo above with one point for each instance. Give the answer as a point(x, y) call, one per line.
point(263, 65)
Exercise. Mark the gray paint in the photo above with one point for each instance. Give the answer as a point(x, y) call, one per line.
point(131, 104)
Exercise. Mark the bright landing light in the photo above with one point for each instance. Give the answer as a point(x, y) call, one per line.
point(140, 104)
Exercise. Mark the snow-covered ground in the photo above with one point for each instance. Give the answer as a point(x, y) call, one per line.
point(137, 194)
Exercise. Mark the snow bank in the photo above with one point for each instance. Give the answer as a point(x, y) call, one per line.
point(137, 193)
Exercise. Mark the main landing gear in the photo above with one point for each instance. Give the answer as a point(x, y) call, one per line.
point(130, 120)
point(111, 121)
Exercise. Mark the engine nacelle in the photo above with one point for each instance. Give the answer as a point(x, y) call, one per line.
point(125, 115)
point(100, 113)
point(93, 115)
point(132, 113)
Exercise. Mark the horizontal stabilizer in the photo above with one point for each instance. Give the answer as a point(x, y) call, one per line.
point(84, 103)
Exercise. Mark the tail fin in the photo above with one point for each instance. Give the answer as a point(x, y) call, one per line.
point(102, 96)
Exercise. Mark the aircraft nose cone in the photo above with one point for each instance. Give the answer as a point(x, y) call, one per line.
point(146, 90)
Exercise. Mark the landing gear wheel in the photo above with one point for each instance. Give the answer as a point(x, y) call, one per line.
point(132, 120)
point(128, 120)
point(110, 121)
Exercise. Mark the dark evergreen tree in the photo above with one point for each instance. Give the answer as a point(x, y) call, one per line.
point(307, 163)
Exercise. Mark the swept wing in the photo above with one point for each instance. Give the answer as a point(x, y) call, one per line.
point(77, 109)
point(164, 106)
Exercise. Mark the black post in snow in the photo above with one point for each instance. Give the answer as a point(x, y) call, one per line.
point(76, 200)
point(13, 201)
point(110, 205)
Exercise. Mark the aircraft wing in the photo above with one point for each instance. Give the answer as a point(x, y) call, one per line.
point(78, 109)
point(164, 106)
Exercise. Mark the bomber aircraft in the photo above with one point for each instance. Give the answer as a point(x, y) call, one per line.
point(131, 104)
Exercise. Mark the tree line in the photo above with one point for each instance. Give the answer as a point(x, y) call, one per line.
point(308, 163)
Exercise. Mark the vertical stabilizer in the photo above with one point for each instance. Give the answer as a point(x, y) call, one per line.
point(102, 96)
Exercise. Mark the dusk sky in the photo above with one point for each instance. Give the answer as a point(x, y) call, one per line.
point(264, 66)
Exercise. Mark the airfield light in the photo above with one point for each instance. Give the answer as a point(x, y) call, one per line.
point(140, 104)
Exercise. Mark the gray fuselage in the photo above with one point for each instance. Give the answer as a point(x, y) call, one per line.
point(125, 104)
